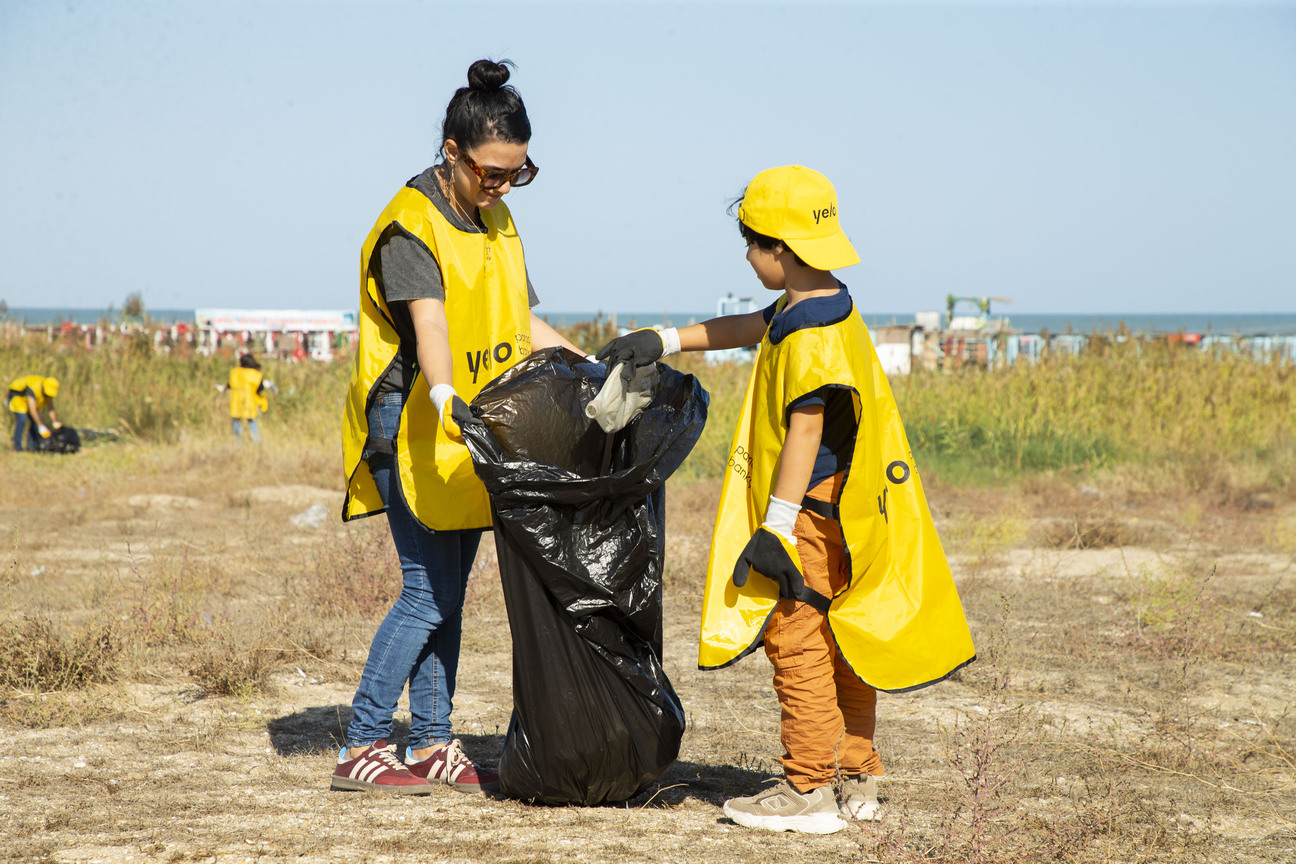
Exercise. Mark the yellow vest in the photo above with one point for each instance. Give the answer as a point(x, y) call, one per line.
point(18, 395)
point(244, 400)
point(899, 622)
point(489, 319)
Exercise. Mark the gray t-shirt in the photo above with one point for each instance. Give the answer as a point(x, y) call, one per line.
point(406, 270)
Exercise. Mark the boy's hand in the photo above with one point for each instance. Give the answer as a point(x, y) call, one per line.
point(635, 349)
point(771, 555)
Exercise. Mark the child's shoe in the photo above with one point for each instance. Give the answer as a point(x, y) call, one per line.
point(783, 808)
point(377, 769)
point(859, 798)
point(449, 765)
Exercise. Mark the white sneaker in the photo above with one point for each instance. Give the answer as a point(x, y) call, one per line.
point(859, 798)
point(783, 808)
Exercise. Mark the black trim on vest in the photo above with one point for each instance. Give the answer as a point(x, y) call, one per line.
point(777, 333)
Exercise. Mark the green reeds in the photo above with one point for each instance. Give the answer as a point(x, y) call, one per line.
point(1207, 420)
point(1208, 417)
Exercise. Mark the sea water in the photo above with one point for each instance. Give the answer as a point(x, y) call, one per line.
point(1224, 324)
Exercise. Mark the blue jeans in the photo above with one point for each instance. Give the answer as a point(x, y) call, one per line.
point(252, 429)
point(418, 641)
point(21, 422)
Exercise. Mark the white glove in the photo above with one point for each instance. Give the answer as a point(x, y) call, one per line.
point(440, 395)
point(781, 517)
point(670, 341)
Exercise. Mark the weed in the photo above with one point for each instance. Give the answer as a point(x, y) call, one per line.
point(228, 666)
point(36, 654)
point(162, 602)
point(356, 572)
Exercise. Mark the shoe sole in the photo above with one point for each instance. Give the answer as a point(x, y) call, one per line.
point(865, 813)
point(812, 823)
point(346, 784)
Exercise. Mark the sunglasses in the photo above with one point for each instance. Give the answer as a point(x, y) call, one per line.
point(495, 179)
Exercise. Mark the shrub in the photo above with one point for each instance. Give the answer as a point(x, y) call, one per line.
point(36, 654)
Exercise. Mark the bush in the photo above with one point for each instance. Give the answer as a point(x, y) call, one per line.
point(35, 654)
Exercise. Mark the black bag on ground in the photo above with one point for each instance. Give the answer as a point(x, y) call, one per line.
point(580, 528)
point(64, 439)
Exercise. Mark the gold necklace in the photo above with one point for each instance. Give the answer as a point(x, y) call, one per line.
point(447, 188)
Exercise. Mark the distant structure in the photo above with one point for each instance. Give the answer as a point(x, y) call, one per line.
point(289, 334)
point(731, 305)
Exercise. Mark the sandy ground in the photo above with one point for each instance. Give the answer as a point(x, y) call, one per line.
point(1087, 731)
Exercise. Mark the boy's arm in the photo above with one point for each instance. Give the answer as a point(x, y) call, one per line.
point(801, 447)
point(771, 551)
point(728, 331)
point(642, 347)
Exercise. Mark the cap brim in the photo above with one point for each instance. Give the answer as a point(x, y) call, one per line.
point(826, 253)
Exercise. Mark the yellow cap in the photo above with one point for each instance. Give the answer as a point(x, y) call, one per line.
point(798, 206)
point(50, 386)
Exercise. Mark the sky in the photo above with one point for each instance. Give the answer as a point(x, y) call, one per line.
point(1085, 158)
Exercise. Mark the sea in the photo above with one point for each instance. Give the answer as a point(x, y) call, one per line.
point(1223, 324)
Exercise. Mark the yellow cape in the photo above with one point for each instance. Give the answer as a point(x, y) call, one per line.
point(899, 622)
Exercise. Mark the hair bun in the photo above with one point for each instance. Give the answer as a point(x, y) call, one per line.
point(488, 75)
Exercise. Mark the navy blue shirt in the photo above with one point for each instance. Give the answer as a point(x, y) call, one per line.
point(838, 441)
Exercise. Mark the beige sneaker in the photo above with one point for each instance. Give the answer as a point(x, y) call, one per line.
point(859, 798)
point(783, 808)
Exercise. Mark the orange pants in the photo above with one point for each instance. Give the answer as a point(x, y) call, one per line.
point(829, 714)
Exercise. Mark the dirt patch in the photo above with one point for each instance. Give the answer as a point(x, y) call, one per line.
point(1131, 700)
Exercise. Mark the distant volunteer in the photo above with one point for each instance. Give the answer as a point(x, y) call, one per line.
point(247, 399)
point(445, 306)
point(28, 397)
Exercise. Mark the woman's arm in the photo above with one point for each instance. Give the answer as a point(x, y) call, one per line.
point(544, 336)
point(432, 336)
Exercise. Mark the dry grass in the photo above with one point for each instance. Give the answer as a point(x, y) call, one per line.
point(1131, 701)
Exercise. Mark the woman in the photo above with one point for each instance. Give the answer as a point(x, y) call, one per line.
point(445, 307)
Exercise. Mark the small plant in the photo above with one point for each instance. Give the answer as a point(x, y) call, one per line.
point(36, 654)
point(356, 573)
point(228, 666)
point(162, 602)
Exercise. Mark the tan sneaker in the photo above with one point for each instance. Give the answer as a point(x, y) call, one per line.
point(782, 808)
point(859, 798)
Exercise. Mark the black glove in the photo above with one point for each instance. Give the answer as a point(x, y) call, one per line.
point(635, 349)
point(772, 556)
point(460, 416)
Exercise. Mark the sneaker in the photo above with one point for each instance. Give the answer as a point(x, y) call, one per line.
point(449, 765)
point(859, 798)
point(783, 808)
point(377, 768)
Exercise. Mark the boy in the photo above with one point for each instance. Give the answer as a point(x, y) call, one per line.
point(821, 501)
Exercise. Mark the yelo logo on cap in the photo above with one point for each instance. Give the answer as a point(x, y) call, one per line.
point(798, 206)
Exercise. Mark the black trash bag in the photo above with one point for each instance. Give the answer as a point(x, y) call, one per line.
point(64, 439)
point(580, 528)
